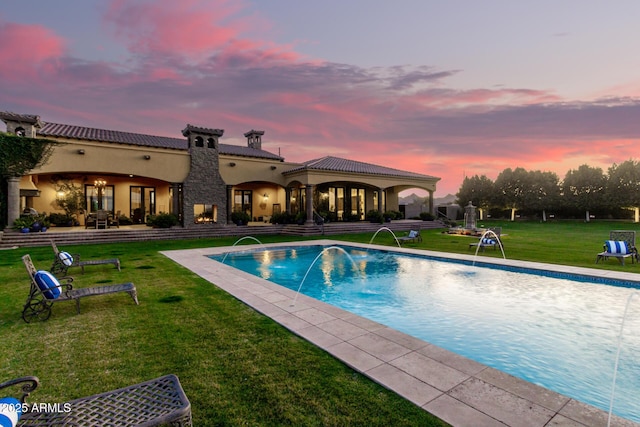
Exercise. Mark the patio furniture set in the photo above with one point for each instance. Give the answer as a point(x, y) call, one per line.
point(102, 219)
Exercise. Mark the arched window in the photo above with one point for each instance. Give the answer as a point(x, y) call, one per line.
point(211, 143)
point(20, 131)
point(199, 141)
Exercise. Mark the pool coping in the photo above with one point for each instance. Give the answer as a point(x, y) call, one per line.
point(456, 389)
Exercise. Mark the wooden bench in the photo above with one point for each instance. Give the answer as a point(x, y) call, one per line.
point(156, 402)
point(39, 302)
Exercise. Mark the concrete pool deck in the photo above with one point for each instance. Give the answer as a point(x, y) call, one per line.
point(458, 390)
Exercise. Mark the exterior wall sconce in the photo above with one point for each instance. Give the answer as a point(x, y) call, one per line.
point(80, 151)
point(147, 157)
point(266, 196)
point(232, 164)
point(273, 168)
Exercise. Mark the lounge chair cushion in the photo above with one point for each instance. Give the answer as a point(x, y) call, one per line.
point(10, 411)
point(487, 241)
point(616, 247)
point(413, 234)
point(66, 258)
point(48, 284)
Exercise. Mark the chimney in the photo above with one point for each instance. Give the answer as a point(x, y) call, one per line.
point(254, 139)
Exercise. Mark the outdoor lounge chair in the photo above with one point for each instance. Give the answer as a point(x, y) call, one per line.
point(621, 245)
point(47, 289)
point(62, 261)
point(489, 240)
point(157, 402)
point(413, 236)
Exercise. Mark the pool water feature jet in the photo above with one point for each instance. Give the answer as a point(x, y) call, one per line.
point(383, 229)
point(484, 236)
point(238, 241)
point(615, 369)
point(314, 262)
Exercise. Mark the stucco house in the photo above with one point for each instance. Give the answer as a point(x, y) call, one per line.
point(197, 177)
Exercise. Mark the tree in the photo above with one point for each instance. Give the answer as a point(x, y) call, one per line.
point(69, 198)
point(510, 188)
point(623, 186)
point(584, 189)
point(477, 190)
point(543, 191)
point(19, 155)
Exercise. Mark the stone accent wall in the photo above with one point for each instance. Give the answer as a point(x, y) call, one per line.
point(203, 185)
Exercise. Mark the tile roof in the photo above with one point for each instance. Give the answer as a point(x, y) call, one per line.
point(198, 129)
point(20, 118)
point(337, 164)
point(244, 151)
point(103, 135)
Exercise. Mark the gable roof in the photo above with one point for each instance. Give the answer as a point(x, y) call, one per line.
point(337, 164)
point(119, 137)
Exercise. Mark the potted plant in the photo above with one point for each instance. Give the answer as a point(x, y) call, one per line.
point(45, 223)
point(240, 218)
point(23, 224)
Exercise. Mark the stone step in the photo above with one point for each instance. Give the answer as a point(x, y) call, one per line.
point(12, 238)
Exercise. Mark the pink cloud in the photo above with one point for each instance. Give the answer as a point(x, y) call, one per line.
point(195, 29)
point(29, 51)
point(200, 62)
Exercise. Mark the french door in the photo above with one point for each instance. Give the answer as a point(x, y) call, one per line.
point(142, 202)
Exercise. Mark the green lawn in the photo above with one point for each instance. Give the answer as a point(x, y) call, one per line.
point(236, 366)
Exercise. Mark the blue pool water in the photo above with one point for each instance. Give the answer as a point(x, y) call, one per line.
point(559, 333)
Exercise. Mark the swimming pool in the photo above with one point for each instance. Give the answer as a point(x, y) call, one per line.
point(559, 333)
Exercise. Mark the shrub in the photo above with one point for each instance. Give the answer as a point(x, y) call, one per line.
point(162, 220)
point(240, 218)
point(328, 216)
point(351, 217)
point(375, 217)
point(125, 220)
point(23, 222)
point(427, 216)
point(391, 215)
point(61, 220)
point(282, 218)
point(301, 217)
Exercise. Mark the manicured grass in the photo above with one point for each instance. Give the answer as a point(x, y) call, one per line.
point(563, 242)
point(236, 366)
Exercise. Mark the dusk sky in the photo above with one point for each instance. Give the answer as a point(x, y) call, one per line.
point(443, 88)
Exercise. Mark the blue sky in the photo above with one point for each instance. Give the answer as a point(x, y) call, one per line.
point(441, 88)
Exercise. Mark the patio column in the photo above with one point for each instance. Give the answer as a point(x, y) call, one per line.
point(229, 202)
point(13, 199)
point(309, 199)
point(432, 209)
point(380, 196)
